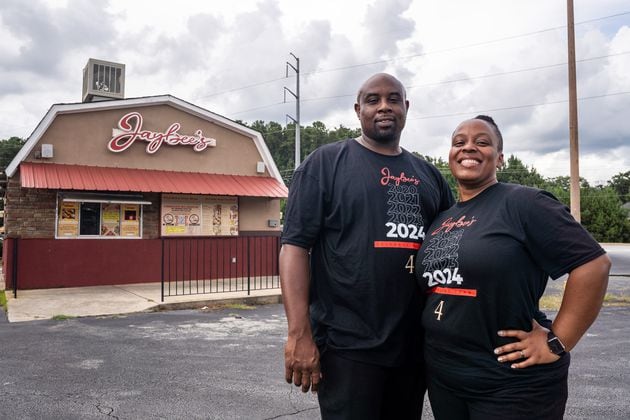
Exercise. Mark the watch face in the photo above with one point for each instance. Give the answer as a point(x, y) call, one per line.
point(555, 346)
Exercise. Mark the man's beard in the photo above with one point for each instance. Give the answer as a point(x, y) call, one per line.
point(386, 136)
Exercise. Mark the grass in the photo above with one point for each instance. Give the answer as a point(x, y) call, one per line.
point(552, 301)
point(616, 300)
point(62, 317)
point(239, 306)
point(3, 300)
point(220, 306)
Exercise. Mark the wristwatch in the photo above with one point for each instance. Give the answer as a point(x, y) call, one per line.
point(554, 343)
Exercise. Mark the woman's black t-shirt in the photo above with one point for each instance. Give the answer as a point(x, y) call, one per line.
point(484, 266)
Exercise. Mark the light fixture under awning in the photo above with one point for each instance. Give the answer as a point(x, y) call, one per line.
point(103, 198)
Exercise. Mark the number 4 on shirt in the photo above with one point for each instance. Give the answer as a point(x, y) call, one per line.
point(410, 264)
point(439, 310)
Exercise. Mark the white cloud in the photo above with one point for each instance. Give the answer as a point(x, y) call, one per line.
point(457, 59)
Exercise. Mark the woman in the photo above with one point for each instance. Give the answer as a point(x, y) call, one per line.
point(490, 352)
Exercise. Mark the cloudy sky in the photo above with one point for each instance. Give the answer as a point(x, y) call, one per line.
point(456, 58)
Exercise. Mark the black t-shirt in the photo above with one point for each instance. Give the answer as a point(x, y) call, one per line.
point(363, 216)
point(484, 266)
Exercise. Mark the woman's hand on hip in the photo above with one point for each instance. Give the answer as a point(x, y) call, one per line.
point(530, 349)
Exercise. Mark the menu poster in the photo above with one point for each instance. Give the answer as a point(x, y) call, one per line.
point(130, 225)
point(194, 215)
point(110, 220)
point(234, 220)
point(181, 215)
point(68, 223)
point(222, 213)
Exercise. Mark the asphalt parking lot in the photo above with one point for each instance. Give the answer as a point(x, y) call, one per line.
point(227, 364)
point(223, 364)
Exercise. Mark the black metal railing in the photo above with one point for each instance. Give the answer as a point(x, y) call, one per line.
point(218, 265)
point(14, 273)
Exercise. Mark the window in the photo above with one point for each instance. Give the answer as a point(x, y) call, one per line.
point(88, 216)
point(89, 221)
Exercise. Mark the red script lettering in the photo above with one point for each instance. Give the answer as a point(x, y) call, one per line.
point(130, 130)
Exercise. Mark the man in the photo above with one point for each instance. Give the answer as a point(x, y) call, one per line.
point(355, 218)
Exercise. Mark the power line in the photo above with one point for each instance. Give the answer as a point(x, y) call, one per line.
point(240, 88)
point(507, 108)
point(415, 55)
point(485, 76)
point(477, 44)
point(257, 108)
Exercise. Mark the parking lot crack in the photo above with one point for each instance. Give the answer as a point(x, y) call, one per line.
point(279, 416)
point(108, 411)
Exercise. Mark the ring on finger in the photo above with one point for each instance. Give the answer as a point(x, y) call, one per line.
point(522, 354)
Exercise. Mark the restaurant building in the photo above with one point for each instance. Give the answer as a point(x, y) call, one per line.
point(118, 191)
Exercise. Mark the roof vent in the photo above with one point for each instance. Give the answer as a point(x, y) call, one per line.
point(103, 80)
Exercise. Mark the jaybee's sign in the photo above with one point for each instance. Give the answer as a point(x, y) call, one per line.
point(130, 130)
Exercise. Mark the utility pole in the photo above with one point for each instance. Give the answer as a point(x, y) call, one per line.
point(296, 95)
point(574, 155)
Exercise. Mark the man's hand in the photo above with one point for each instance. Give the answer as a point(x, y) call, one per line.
point(301, 362)
point(301, 357)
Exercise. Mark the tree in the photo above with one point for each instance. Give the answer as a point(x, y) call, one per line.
point(516, 172)
point(342, 132)
point(564, 182)
point(601, 212)
point(281, 141)
point(621, 184)
point(603, 215)
point(443, 167)
point(8, 149)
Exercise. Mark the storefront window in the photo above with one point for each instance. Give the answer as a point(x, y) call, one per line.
point(89, 219)
point(98, 219)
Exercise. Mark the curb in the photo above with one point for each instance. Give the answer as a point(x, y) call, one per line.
point(217, 303)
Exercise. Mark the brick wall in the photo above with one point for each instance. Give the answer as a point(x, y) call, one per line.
point(151, 217)
point(29, 212)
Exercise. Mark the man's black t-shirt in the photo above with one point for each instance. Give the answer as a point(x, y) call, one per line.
point(363, 215)
point(484, 267)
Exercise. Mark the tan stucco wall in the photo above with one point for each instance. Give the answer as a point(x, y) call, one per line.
point(82, 139)
point(254, 213)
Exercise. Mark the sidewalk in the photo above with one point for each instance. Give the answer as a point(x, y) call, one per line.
point(124, 299)
point(117, 300)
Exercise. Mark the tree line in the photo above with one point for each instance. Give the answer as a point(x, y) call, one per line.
point(601, 206)
point(602, 211)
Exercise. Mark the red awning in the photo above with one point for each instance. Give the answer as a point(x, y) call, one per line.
point(95, 178)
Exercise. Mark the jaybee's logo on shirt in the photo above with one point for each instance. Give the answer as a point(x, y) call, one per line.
point(397, 179)
point(449, 224)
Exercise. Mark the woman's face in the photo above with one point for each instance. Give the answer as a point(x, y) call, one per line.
point(474, 155)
